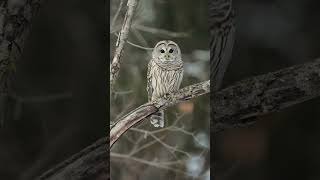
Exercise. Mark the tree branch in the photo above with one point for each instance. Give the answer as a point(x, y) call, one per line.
point(90, 163)
point(240, 104)
point(122, 38)
point(162, 32)
point(145, 110)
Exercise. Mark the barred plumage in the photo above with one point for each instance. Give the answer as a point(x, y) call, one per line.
point(165, 73)
point(222, 31)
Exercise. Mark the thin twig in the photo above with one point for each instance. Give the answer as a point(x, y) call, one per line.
point(139, 46)
point(123, 92)
point(150, 163)
point(161, 32)
point(116, 16)
point(136, 45)
point(139, 36)
point(138, 149)
point(167, 146)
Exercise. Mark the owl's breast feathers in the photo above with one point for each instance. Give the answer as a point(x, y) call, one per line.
point(164, 78)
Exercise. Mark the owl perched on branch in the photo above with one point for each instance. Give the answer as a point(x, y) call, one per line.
point(165, 72)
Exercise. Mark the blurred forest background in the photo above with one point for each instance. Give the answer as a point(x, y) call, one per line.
point(180, 150)
point(62, 89)
point(271, 35)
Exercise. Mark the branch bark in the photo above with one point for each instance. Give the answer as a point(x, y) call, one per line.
point(90, 163)
point(122, 38)
point(240, 104)
point(145, 110)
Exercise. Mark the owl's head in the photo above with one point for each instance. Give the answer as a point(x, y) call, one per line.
point(166, 51)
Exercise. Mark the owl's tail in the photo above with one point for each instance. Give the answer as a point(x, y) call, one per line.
point(157, 119)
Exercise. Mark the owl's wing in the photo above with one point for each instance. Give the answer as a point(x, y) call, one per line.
point(180, 77)
point(149, 79)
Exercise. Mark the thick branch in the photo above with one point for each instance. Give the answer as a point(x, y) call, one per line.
point(239, 104)
point(122, 38)
point(90, 163)
point(135, 116)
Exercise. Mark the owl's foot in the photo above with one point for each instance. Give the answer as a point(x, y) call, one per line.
point(166, 95)
point(154, 122)
point(157, 119)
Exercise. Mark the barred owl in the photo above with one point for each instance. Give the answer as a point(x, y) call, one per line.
point(165, 72)
point(222, 32)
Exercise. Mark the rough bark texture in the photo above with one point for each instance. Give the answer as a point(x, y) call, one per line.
point(90, 163)
point(15, 23)
point(239, 104)
point(138, 114)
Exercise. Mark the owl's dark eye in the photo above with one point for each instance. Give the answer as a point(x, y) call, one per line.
point(162, 51)
point(171, 51)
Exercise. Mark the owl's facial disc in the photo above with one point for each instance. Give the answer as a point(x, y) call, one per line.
point(167, 51)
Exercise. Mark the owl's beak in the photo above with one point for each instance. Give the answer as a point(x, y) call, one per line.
point(167, 57)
